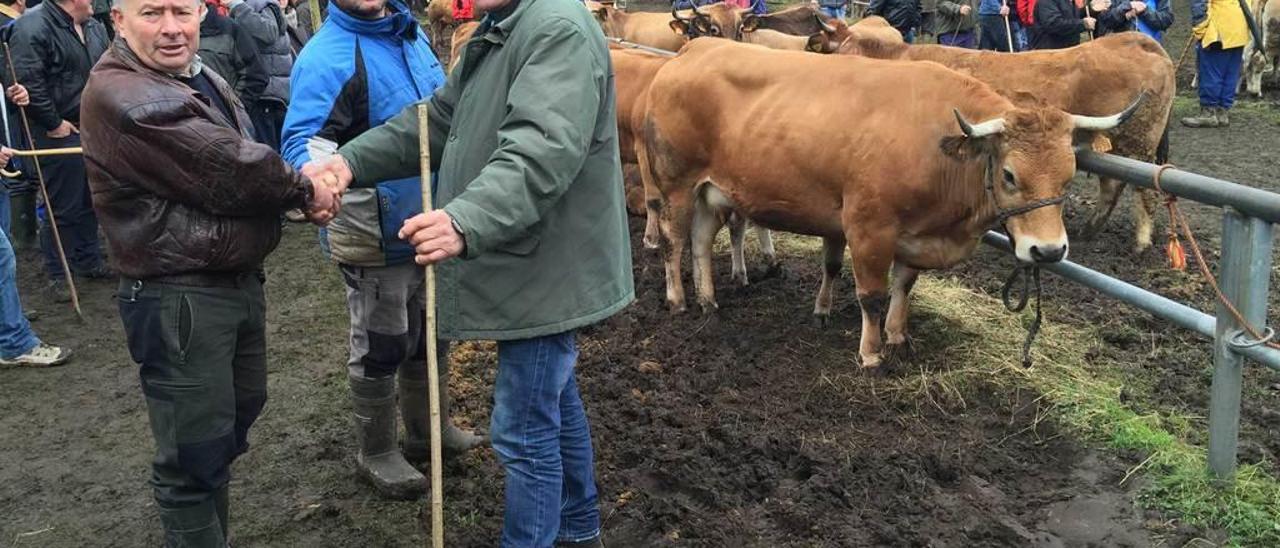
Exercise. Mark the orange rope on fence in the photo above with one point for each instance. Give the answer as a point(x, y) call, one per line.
point(1176, 218)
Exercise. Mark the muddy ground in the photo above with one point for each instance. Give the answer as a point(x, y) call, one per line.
point(747, 428)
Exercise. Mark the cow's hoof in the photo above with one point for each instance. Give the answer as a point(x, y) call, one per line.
point(740, 278)
point(676, 308)
point(709, 307)
point(871, 365)
point(821, 320)
point(650, 243)
point(896, 354)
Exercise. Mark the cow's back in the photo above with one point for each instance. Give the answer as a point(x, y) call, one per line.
point(1097, 78)
point(633, 70)
point(804, 131)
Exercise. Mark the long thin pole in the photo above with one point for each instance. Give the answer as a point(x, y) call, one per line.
point(49, 151)
point(433, 374)
point(314, 6)
point(44, 193)
point(1008, 32)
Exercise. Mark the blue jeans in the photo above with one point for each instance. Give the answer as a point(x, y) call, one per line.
point(539, 431)
point(16, 337)
point(838, 13)
point(1219, 74)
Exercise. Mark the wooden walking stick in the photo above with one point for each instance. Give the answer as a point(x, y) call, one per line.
point(433, 374)
point(314, 6)
point(1008, 32)
point(44, 193)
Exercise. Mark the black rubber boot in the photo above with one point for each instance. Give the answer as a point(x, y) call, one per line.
point(415, 409)
point(222, 503)
point(379, 459)
point(196, 525)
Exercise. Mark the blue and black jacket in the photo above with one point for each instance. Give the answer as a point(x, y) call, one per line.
point(352, 75)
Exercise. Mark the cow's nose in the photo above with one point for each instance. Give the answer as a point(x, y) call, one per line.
point(1048, 253)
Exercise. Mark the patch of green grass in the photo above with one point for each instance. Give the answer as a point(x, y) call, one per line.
point(1087, 396)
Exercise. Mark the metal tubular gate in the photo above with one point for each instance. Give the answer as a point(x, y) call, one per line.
point(1244, 273)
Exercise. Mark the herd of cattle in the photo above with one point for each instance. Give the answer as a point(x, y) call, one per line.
point(903, 154)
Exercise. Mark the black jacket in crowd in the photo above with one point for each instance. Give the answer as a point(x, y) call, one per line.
point(229, 50)
point(1114, 20)
point(1058, 25)
point(53, 63)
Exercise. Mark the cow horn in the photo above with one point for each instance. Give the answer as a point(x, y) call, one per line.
point(984, 129)
point(1102, 123)
point(676, 14)
point(827, 28)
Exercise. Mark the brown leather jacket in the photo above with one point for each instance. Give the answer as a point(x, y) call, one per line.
point(177, 187)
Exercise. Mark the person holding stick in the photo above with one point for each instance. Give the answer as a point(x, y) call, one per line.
point(54, 45)
point(369, 63)
point(530, 240)
point(191, 206)
point(1059, 23)
point(18, 343)
point(956, 22)
point(993, 22)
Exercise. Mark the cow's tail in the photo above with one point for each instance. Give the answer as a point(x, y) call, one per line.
point(1162, 149)
point(648, 177)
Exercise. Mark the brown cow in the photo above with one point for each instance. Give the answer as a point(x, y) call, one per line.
point(801, 20)
point(649, 29)
point(1260, 62)
point(776, 40)
point(1093, 78)
point(921, 163)
point(718, 20)
point(458, 41)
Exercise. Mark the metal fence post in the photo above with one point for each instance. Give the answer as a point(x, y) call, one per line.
point(1245, 276)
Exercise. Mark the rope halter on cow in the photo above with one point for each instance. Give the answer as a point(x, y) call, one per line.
point(1026, 272)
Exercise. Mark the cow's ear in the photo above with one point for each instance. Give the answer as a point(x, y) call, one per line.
point(817, 43)
point(750, 23)
point(965, 148)
point(1100, 143)
point(679, 27)
point(602, 14)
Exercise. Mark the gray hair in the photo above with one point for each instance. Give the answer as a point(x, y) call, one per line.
point(120, 3)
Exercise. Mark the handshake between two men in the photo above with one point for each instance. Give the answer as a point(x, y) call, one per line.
point(434, 235)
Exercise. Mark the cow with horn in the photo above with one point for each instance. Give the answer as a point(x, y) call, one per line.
point(962, 159)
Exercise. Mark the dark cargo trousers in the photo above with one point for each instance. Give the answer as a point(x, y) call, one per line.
point(202, 358)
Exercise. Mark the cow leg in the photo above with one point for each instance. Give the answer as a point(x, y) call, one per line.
point(766, 248)
point(872, 255)
point(832, 260)
point(653, 213)
point(674, 223)
point(1144, 209)
point(895, 325)
point(707, 221)
point(1108, 196)
point(737, 237)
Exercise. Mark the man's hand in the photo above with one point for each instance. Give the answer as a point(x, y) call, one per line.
point(18, 94)
point(64, 130)
point(1089, 23)
point(965, 9)
point(432, 236)
point(326, 201)
point(1138, 7)
point(1004, 10)
point(332, 172)
point(1099, 5)
point(6, 154)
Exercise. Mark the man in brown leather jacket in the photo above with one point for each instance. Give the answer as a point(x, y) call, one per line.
point(191, 206)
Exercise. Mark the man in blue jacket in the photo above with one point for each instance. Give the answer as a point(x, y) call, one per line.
point(369, 61)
